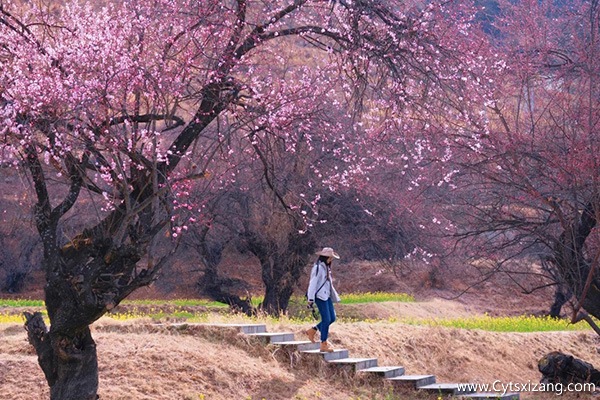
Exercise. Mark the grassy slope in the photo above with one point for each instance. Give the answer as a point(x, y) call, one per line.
point(139, 362)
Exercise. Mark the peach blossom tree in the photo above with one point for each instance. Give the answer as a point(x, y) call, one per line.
point(111, 109)
point(529, 192)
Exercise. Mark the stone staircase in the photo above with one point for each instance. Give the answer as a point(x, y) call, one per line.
point(392, 374)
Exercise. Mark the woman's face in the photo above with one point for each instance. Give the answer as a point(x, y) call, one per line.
point(329, 260)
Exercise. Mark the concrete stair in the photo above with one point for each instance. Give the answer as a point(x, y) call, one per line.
point(273, 337)
point(392, 374)
point(385, 372)
point(447, 388)
point(300, 345)
point(415, 381)
point(357, 363)
point(244, 328)
point(336, 354)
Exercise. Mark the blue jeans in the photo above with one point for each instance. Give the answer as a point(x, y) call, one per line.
point(327, 317)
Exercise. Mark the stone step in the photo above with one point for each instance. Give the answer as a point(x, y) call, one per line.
point(357, 363)
point(415, 381)
point(453, 389)
point(301, 345)
point(491, 396)
point(273, 337)
point(328, 356)
point(386, 372)
point(244, 328)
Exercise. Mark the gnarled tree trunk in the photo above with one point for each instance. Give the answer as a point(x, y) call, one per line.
point(212, 284)
point(85, 279)
point(69, 362)
point(281, 270)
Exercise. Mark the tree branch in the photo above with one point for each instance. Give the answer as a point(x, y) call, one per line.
point(146, 118)
point(583, 316)
point(75, 175)
point(43, 208)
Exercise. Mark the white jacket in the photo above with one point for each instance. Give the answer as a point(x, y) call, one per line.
point(319, 286)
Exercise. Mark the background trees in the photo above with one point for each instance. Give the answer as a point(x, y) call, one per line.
point(19, 244)
point(113, 110)
point(531, 189)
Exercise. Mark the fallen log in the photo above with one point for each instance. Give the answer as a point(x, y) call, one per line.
point(561, 368)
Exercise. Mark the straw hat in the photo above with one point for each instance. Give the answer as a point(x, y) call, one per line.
point(328, 252)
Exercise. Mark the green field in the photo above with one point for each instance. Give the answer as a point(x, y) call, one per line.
point(197, 310)
point(520, 323)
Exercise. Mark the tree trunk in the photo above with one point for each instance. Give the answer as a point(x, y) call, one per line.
point(213, 286)
point(560, 299)
point(279, 275)
point(277, 297)
point(84, 280)
point(70, 364)
point(282, 271)
point(571, 263)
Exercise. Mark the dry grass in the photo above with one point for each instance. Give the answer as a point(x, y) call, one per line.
point(141, 361)
point(434, 308)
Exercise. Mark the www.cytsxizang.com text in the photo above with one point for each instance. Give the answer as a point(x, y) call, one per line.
point(515, 387)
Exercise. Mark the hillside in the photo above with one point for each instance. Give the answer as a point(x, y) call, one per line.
point(141, 361)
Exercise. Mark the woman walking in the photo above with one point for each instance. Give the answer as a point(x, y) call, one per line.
point(322, 292)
